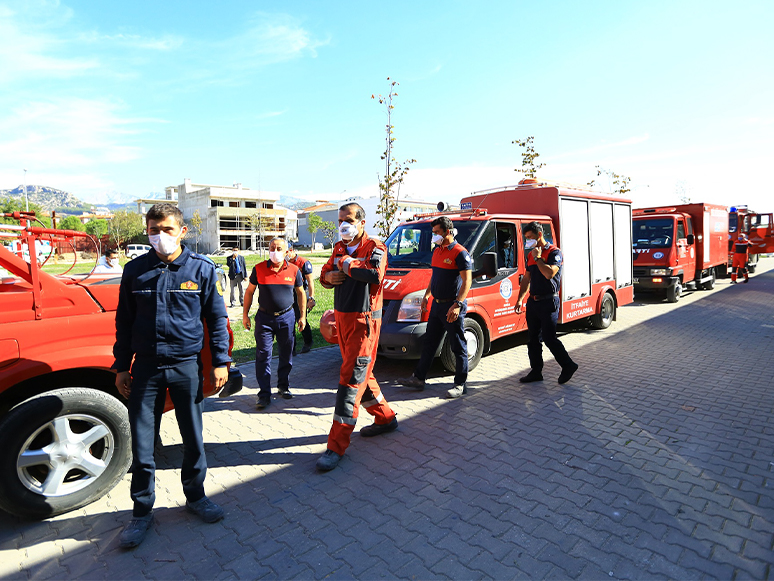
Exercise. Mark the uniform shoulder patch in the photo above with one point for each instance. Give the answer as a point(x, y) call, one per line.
point(189, 285)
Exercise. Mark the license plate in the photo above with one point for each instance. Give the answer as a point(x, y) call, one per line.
point(636, 281)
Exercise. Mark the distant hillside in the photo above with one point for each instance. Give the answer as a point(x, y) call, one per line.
point(45, 197)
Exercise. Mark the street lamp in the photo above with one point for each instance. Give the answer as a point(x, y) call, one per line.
point(26, 202)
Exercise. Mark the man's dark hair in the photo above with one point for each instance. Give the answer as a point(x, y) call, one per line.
point(535, 228)
point(359, 212)
point(109, 251)
point(159, 212)
point(444, 222)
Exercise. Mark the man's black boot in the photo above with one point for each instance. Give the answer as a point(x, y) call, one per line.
point(567, 373)
point(531, 376)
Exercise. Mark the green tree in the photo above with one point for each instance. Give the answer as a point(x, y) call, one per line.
point(620, 181)
point(529, 165)
point(97, 228)
point(330, 231)
point(9, 205)
point(395, 172)
point(71, 223)
point(124, 226)
point(195, 228)
point(313, 225)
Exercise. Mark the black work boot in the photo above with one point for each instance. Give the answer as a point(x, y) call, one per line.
point(532, 376)
point(376, 429)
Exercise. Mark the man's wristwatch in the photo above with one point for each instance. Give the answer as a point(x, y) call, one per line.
point(458, 303)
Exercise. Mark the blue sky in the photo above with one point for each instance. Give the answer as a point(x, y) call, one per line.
point(106, 98)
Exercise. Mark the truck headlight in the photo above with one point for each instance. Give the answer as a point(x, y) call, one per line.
point(661, 271)
point(410, 310)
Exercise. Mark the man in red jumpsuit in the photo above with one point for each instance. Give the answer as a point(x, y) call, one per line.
point(355, 271)
point(739, 262)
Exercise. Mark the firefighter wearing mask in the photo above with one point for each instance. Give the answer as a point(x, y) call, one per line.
point(355, 271)
point(739, 262)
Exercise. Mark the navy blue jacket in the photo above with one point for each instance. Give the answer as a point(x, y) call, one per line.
point(161, 307)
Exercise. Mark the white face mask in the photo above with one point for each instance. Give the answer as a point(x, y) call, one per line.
point(530, 244)
point(164, 243)
point(277, 256)
point(437, 239)
point(347, 231)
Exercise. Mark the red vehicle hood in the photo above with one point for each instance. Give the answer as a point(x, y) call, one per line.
point(398, 282)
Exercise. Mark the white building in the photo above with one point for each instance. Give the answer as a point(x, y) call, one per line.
point(233, 215)
point(330, 213)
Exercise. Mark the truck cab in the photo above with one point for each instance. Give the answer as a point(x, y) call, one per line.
point(757, 227)
point(678, 248)
point(597, 276)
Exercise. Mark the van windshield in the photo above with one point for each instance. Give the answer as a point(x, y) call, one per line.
point(653, 233)
point(410, 244)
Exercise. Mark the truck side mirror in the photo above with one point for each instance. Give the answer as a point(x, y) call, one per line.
point(690, 239)
point(488, 265)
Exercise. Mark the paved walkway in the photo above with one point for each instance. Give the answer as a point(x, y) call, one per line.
point(655, 461)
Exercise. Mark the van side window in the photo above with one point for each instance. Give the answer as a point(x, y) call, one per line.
point(506, 246)
point(680, 230)
point(487, 242)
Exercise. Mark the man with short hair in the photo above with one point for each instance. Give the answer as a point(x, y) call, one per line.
point(237, 272)
point(305, 266)
point(277, 282)
point(163, 298)
point(543, 280)
point(449, 285)
point(355, 271)
point(108, 264)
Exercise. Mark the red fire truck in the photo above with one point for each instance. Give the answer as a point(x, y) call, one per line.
point(679, 248)
point(757, 227)
point(64, 429)
point(593, 231)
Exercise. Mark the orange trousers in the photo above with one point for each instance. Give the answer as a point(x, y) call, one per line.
point(739, 266)
point(358, 340)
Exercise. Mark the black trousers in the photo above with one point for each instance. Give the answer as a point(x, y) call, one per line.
point(542, 318)
point(146, 404)
point(436, 325)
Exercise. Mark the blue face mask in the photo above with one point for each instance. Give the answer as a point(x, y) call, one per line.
point(530, 244)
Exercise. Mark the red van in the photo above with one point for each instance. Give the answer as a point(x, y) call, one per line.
point(593, 231)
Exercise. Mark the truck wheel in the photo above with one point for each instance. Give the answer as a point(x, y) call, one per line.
point(475, 338)
point(62, 450)
point(604, 318)
point(674, 292)
point(710, 284)
point(751, 269)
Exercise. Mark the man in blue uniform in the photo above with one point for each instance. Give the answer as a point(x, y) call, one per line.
point(449, 286)
point(237, 272)
point(164, 296)
point(543, 279)
point(277, 282)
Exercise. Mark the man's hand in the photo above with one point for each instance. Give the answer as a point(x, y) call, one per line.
point(425, 300)
point(124, 383)
point(335, 277)
point(537, 252)
point(301, 323)
point(310, 303)
point(219, 376)
point(246, 323)
point(519, 307)
point(453, 313)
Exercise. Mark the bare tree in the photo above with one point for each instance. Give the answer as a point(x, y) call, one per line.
point(529, 165)
point(620, 181)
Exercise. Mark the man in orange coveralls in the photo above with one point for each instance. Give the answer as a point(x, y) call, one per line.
point(355, 271)
point(739, 262)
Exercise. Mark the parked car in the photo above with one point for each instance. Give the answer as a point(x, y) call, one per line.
point(64, 428)
point(135, 250)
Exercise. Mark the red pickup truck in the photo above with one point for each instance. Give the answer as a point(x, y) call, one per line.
point(64, 429)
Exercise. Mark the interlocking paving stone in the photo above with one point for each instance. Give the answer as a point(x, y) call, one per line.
point(655, 461)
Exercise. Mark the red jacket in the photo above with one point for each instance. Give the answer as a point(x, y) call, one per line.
point(361, 292)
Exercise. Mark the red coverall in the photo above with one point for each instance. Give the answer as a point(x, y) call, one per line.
point(739, 262)
point(357, 304)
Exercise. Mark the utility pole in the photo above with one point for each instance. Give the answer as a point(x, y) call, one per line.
point(26, 202)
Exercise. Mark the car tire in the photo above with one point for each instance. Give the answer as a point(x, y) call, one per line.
point(475, 339)
point(710, 284)
point(674, 292)
point(62, 450)
point(604, 318)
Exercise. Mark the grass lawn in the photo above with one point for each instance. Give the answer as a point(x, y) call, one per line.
point(244, 340)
